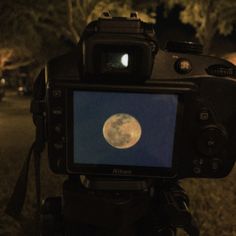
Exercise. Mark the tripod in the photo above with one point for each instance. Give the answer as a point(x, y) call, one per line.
point(140, 208)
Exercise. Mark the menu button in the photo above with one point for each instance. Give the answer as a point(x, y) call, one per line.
point(58, 146)
point(57, 111)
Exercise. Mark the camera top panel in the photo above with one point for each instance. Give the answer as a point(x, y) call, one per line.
point(125, 50)
point(109, 24)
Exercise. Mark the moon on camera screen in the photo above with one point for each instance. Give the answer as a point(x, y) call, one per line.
point(122, 131)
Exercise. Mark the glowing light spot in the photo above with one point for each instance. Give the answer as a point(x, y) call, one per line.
point(125, 60)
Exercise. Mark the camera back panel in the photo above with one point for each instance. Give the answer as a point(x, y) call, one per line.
point(120, 106)
point(135, 132)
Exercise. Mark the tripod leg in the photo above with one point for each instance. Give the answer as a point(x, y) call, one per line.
point(51, 218)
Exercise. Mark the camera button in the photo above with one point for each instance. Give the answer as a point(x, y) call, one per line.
point(60, 163)
point(215, 165)
point(197, 170)
point(57, 111)
point(204, 114)
point(57, 93)
point(58, 146)
point(58, 128)
point(183, 66)
point(198, 162)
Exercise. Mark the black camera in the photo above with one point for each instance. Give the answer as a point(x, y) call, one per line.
point(121, 106)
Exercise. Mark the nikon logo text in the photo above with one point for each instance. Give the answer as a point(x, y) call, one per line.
point(121, 172)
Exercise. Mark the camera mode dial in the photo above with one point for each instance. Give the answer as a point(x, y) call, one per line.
point(184, 47)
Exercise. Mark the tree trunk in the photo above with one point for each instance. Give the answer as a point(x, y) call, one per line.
point(210, 29)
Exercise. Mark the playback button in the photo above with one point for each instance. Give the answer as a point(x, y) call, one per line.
point(57, 93)
point(204, 115)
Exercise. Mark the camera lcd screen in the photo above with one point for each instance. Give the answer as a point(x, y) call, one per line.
point(124, 129)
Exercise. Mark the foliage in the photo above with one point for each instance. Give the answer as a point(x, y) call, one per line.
point(87, 11)
point(26, 27)
point(33, 31)
point(208, 17)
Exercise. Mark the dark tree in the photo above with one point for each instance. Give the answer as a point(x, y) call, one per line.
point(34, 31)
point(208, 17)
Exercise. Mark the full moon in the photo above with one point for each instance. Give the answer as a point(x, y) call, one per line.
point(122, 131)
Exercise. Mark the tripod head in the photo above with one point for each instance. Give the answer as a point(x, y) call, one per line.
point(148, 209)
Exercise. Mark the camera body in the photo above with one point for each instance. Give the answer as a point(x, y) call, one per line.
point(120, 106)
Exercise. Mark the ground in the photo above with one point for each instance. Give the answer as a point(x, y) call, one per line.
point(213, 202)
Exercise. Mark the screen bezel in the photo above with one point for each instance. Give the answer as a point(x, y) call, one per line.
point(128, 171)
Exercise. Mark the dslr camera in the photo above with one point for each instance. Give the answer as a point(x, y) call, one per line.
point(119, 106)
point(125, 120)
